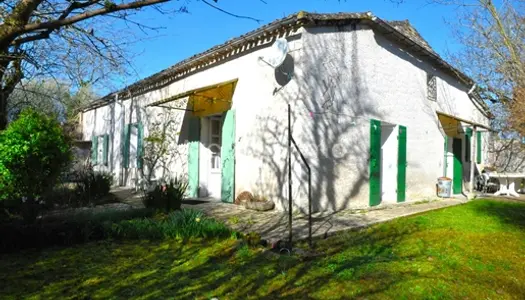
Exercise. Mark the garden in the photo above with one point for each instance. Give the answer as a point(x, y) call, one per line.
point(163, 251)
point(42, 184)
point(472, 251)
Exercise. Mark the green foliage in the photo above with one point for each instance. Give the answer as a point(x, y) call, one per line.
point(35, 150)
point(167, 196)
point(113, 224)
point(252, 239)
point(50, 98)
point(470, 251)
point(185, 223)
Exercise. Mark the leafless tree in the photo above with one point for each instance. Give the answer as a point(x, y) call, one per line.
point(493, 54)
point(76, 39)
point(492, 35)
point(51, 98)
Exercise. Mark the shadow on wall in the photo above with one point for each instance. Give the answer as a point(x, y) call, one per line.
point(434, 132)
point(331, 112)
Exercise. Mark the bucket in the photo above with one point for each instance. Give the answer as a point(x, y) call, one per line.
point(444, 187)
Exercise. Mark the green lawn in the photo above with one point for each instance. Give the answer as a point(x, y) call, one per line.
point(473, 251)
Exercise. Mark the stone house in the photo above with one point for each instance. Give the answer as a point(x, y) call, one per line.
point(378, 115)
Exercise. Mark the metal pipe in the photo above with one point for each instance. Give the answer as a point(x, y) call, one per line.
point(473, 144)
point(290, 176)
point(309, 192)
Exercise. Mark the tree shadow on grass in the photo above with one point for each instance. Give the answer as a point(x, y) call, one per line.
point(180, 270)
point(379, 261)
point(509, 212)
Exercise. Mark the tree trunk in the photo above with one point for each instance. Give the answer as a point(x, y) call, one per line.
point(3, 112)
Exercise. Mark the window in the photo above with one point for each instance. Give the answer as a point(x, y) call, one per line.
point(215, 157)
point(431, 87)
point(215, 142)
point(99, 149)
point(132, 146)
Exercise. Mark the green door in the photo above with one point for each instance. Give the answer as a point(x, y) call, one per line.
point(375, 162)
point(401, 164)
point(457, 181)
point(478, 147)
point(228, 157)
point(193, 156)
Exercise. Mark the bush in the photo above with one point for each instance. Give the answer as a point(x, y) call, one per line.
point(167, 197)
point(121, 225)
point(185, 223)
point(34, 151)
point(93, 186)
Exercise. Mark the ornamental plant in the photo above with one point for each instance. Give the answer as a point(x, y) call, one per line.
point(34, 152)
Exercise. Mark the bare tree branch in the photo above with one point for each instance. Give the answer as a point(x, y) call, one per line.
point(229, 13)
point(90, 14)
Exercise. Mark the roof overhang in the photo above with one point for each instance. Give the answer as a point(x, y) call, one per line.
point(453, 126)
point(204, 101)
point(263, 35)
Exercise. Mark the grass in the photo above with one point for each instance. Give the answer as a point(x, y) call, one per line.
point(116, 225)
point(472, 251)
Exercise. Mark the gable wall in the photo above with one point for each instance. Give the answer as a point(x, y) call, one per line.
point(353, 76)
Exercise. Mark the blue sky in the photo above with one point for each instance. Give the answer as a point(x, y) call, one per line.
point(203, 27)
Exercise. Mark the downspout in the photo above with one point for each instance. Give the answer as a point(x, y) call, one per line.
point(445, 156)
point(472, 159)
point(122, 124)
point(473, 146)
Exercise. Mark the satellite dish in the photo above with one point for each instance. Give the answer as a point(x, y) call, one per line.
point(276, 53)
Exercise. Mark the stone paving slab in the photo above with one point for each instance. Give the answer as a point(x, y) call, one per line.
point(273, 225)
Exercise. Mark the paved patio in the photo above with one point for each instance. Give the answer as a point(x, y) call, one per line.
point(273, 225)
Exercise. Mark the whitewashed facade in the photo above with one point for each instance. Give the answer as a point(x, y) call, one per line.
point(343, 77)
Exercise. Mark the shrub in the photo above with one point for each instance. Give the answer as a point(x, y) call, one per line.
point(59, 231)
point(167, 197)
point(186, 223)
point(252, 239)
point(121, 225)
point(62, 195)
point(93, 186)
point(34, 151)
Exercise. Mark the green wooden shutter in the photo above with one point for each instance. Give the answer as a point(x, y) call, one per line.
point(375, 162)
point(105, 149)
point(125, 147)
point(468, 149)
point(478, 147)
point(193, 156)
point(228, 158)
point(401, 164)
point(94, 149)
point(140, 145)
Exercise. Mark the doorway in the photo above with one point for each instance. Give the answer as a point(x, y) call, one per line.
point(210, 160)
point(388, 162)
point(457, 178)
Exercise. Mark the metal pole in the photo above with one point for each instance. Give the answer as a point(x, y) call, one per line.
point(290, 175)
point(309, 207)
point(309, 191)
